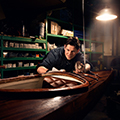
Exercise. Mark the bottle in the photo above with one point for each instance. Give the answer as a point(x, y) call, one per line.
point(41, 30)
point(23, 30)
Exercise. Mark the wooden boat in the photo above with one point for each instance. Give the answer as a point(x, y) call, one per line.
point(45, 85)
point(67, 107)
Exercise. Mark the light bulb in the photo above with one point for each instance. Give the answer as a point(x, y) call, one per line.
point(105, 15)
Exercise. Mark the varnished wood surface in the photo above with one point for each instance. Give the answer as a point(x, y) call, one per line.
point(56, 108)
point(13, 79)
point(16, 89)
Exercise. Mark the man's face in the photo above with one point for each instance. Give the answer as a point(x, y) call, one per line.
point(70, 51)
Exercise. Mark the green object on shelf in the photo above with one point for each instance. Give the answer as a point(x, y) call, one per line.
point(59, 36)
point(22, 58)
point(19, 68)
point(22, 49)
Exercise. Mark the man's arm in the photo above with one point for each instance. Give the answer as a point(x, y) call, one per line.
point(47, 63)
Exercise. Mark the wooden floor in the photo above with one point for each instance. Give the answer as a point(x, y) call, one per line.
point(101, 112)
point(108, 107)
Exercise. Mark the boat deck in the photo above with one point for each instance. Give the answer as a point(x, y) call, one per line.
point(59, 107)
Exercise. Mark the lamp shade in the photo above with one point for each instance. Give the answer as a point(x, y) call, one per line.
point(106, 14)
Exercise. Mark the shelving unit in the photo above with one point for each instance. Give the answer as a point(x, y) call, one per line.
point(25, 49)
point(57, 37)
point(94, 49)
point(97, 54)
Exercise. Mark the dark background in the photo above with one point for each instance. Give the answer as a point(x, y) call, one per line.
point(31, 12)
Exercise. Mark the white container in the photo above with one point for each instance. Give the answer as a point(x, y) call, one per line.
point(20, 64)
point(6, 65)
point(41, 29)
point(16, 45)
point(9, 65)
point(83, 49)
point(6, 43)
point(31, 64)
point(11, 44)
point(14, 65)
point(21, 45)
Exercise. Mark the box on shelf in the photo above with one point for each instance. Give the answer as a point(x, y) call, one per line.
point(5, 43)
point(9, 65)
point(55, 28)
point(11, 44)
point(87, 49)
point(26, 65)
point(37, 55)
point(31, 64)
point(14, 65)
point(67, 32)
point(20, 64)
point(6, 65)
point(21, 45)
point(16, 45)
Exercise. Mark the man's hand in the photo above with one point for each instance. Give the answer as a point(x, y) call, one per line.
point(42, 70)
point(79, 67)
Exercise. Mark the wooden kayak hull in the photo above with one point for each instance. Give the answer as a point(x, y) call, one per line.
point(32, 86)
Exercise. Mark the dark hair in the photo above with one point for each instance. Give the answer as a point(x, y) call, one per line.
point(73, 41)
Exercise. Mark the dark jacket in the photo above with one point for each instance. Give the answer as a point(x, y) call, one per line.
point(56, 58)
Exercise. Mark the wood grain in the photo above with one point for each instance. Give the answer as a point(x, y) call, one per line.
point(56, 108)
point(41, 92)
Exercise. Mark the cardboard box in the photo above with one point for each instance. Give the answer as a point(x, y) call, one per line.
point(67, 32)
point(54, 27)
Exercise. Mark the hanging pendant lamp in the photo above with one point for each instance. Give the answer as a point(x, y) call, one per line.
point(106, 14)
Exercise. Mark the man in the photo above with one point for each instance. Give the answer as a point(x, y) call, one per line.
point(68, 58)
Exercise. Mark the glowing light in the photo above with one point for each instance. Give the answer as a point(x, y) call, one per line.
point(105, 15)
